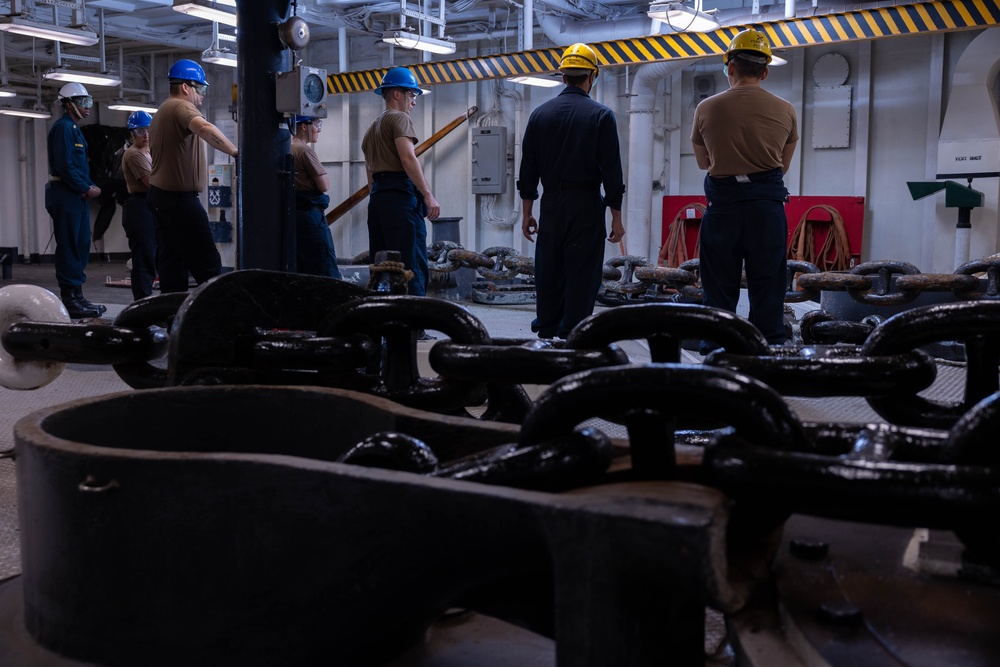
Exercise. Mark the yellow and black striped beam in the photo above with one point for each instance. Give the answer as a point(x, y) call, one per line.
point(875, 23)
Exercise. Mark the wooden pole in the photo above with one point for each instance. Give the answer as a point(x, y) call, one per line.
point(357, 197)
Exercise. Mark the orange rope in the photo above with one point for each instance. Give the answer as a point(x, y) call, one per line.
point(835, 253)
point(673, 253)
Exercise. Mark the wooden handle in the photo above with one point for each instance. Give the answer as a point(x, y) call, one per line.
point(357, 197)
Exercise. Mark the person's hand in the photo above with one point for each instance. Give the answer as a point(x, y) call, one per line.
point(529, 227)
point(93, 192)
point(617, 230)
point(433, 207)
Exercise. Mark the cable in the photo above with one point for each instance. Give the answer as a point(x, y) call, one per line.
point(835, 253)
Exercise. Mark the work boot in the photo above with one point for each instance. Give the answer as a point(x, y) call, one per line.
point(90, 304)
point(71, 298)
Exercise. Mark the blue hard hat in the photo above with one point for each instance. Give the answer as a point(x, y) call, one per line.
point(138, 119)
point(399, 77)
point(187, 70)
point(302, 119)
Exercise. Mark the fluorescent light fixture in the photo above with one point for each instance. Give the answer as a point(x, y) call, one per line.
point(411, 40)
point(92, 78)
point(543, 81)
point(205, 9)
point(218, 57)
point(22, 26)
point(7, 91)
point(36, 112)
point(777, 61)
point(125, 105)
point(682, 18)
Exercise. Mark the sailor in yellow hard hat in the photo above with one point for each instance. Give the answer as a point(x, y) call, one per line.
point(745, 138)
point(570, 145)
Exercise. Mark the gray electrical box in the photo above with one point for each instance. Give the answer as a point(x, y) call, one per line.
point(301, 91)
point(489, 160)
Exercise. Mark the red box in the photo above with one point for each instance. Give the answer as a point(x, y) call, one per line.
point(851, 209)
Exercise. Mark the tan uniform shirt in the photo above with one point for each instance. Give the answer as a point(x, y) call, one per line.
point(307, 165)
point(135, 165)
point(178, 163)
point(744, 129)
point(379, 143)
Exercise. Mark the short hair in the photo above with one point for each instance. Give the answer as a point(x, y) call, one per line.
point(576, 79)
point(748, 65)
point(175, 86)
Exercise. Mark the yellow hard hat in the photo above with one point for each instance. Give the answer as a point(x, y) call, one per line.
point(578, 56)
point(753, 42)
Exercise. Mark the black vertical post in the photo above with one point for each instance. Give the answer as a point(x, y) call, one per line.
point(264, 223)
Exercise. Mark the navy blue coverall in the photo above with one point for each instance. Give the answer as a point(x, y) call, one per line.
point(315, 254)
point(70, 180)
point(570, 145)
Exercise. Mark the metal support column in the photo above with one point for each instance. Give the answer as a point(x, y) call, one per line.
point(265, 220)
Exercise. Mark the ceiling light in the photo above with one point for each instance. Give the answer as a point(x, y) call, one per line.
point(7, 91)
point(93, 78)
point(22, 26)
point(777, 61)
point(411, 40)
point(218, 57)
point(36, 112)
point(205, 9)
point(125, 105)
point(682, 18)
point(543, 81)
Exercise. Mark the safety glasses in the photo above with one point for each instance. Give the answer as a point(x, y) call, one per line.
point(84, 102)
point(199, 88)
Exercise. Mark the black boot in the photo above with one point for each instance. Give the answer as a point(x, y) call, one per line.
point(90, 304)
point(71, 298)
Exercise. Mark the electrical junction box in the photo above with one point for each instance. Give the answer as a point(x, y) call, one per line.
point(301, 91)
point(489, 160)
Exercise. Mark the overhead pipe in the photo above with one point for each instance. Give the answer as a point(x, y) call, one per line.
point(643, 239)
point(22, 167)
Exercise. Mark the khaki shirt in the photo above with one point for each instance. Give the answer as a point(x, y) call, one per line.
point(135, 165)
point(178, 163)
point(307, 165)
point(379, 143)
point(744, 130)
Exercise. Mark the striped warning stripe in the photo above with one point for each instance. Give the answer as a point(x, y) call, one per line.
point(876, 23)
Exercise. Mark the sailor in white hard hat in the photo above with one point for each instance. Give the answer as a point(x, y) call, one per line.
point(67, 199)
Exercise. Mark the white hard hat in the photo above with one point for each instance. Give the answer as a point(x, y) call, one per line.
point(73, 90)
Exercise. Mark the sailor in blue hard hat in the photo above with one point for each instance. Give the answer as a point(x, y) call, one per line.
point(314, 250)
point(137, 219)
point(400, 195)
point(176, 140)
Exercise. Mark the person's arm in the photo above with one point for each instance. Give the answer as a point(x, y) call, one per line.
point(368, 173)
point(617, 229)
point(322, 182)
point(529, 226)
point(701, 156)
point(786, 156)
point(408, 157)
point(212, 135)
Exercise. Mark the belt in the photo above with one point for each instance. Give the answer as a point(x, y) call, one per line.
point(138, 195)
point(380, 174)
point(173, 193)
point(55, 178)
point(566, 186)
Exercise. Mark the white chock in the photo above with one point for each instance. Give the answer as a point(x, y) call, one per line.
point(19, 303)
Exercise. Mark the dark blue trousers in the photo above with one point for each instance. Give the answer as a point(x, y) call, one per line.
point(753, 231)
point(396, 213)
point(71, 227)
point(569, 259)
point(184, 240)
point(137, 220)
point(314, 251)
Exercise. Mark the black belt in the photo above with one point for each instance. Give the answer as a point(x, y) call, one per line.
point(380, 174)
point(138, 195)
point(566, 186)
point(173, 193)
